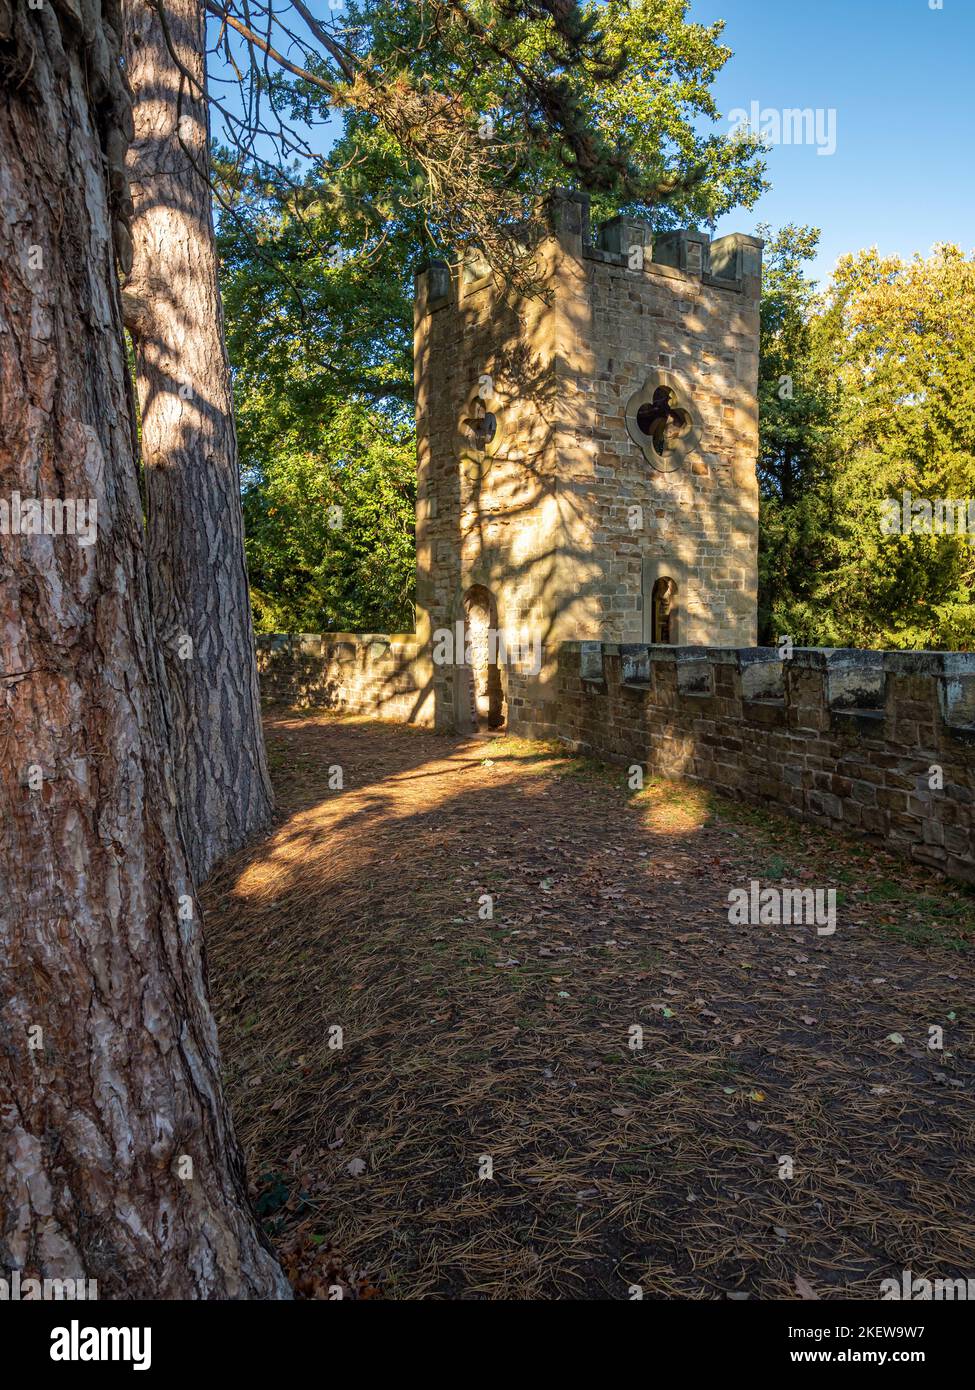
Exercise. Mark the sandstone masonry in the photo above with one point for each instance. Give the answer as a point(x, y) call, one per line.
point(577, 449)
point(879, 744)
point(587, 489)
point(349, 672)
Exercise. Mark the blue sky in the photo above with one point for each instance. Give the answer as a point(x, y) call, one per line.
point(901, 78)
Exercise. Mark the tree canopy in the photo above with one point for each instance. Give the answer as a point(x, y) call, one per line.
point(318, 259)
point(868, 395)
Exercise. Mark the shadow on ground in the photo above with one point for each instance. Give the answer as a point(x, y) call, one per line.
point(785, 1116)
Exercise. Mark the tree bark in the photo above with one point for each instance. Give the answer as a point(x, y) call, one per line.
point(109, 1082)
point(197, 570)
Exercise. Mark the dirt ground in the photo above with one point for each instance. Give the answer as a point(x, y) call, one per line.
point(785, 1130)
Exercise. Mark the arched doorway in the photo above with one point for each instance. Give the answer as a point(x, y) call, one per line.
point(484, 686)
point(663, 603)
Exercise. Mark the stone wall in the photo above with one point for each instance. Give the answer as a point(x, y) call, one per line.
point(349, 672)
point(634, 313)
point(853, 740)
point(535, 479)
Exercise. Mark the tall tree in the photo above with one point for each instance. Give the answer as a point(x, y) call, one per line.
point(321, 337)
point(481, 107)
point(197, 570)
point(317, 268)
point(899, 339)
point(867, 465)
point(796, 436)
point(118, 1160)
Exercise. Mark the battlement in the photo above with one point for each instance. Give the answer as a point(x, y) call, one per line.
point(880, 744)
point(877, 744)
point(732, 263)
point(850, 681)
point(586, 458)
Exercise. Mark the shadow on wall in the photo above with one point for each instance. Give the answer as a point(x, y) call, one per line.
point(481, 680)
point(358, 673)
point(876, 744)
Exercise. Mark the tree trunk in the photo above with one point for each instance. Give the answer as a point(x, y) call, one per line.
point(118, 1160)
point(197, 571)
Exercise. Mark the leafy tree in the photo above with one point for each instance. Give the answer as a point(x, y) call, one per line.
point(330, 530)
point(318, 266)
point(900, 340)
point(485, 104)
point(794, 438)
point(627, 85)
point(880, 400)
point(320, 333)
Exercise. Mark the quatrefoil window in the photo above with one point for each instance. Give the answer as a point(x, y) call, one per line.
point(480, 426)
point(661, 422)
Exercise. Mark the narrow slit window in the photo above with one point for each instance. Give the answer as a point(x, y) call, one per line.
point(664, 602)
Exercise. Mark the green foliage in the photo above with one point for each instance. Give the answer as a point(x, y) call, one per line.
point(318, 266)
point(656, 111)
point(606, 96)
point(330, 542)
point(794, 439)
point(902, 346)
point(883, 366)
point(322, 357)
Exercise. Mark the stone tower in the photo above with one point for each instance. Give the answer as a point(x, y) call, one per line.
point(586, 458)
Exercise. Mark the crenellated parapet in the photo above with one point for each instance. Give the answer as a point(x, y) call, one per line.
point(732, 262)
point(874, 743)
point(878, 744)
